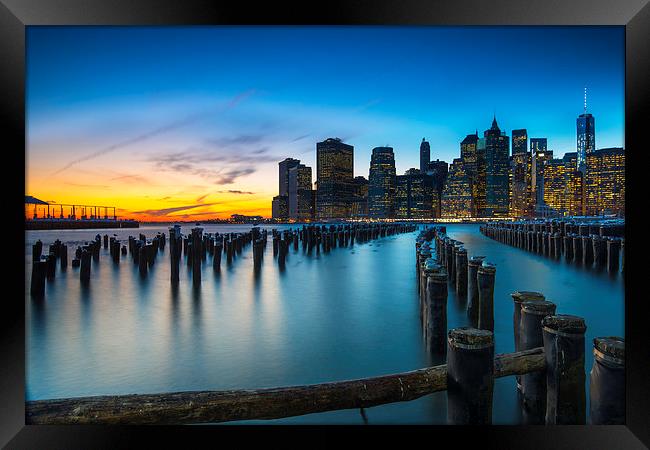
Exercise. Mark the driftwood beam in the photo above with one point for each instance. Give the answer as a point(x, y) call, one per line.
point(223, 406)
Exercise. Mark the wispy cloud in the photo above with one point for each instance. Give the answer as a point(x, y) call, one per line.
point(168, 211)
point(132, 179)
point(235, 191)
point(103, 186)
point(189, 120)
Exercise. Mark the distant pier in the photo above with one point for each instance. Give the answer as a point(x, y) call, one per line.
point(59, 216)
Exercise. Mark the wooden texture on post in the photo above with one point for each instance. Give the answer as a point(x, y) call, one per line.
point(485, 280)
point(607, 382)
point(272, 403)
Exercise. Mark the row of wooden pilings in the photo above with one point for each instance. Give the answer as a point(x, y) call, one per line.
point(592, 245)
point(553, 396)
point(198, 246)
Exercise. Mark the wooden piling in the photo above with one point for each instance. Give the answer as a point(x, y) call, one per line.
point(613, 253)
point(470, 376)
point(63, 252)
point(436, 311)
point(607, 382)
point(84, 272)
point(564, 351)
point(39, 272)
point(533, 385)
point(461, 272)
point(518, 298)
point(485, 280)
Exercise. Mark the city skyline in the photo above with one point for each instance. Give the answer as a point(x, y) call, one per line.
point(205, 144)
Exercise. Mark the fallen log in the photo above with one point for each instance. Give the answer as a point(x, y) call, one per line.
point(272, 403)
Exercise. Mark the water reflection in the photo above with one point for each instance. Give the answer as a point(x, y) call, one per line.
point(347, 313)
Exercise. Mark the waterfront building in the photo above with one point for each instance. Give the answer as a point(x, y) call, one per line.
point(425, 155)
point(519, 141)
point(521, 188)
point(414, 195)
point(280, 207)
point(469, 155)
point(605, 181)
point(335, 175)
point(497, 150)
point(381, 183)
point(283, 175)
point(300, 193)
point(586, 136)
point(438, 170)
point(359, 208)
point(540, 155)
point(457, 194)
point(554, 184)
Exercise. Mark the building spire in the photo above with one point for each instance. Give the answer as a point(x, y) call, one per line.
point(585, 99)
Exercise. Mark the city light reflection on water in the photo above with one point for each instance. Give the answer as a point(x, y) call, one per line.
point(346, 314)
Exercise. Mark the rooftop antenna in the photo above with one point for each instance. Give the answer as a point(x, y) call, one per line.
point(585, 99)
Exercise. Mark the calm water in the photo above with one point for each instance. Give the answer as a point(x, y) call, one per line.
point(350, 313)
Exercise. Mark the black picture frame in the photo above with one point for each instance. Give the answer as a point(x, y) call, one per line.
point(15, 15)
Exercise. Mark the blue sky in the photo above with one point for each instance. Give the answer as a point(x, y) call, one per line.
point(273, 92)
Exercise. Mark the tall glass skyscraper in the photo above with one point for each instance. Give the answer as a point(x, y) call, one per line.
point(497, 164)
point(334, 178)
point(381, 183)
point(586, 132)
point(300, 192)
point(425, 155)
point(283, 178)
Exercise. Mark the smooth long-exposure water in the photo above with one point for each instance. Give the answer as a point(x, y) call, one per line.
point(346, 314)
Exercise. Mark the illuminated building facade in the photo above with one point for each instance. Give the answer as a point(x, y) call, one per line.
point(605, 181)
point(300, 193)
point(381, 183)
point(360, 198)
point(497, 150)
point(457, 195)
point(540, 155)
point(334, 172)
point(425, 155)
point(519, 141)
point(554, 181)
point(469, 155)
point(521, 184)
point(414, 195)
point(438, 170)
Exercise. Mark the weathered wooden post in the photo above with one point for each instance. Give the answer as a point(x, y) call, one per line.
point(564, 351)
point(472, 289)
point(142, 259)
point(587, 251)
point(461, 272)
point(436, 301)
point(84, 272)
point(470, 376)
point(197, 255)
point(51, 266)
point(39, 272)
point(599, 250)
point(613, 254)
point(533, 385)
point(485, 278)
point(174, 257)
point(518, 298)
point(607, 382)
point(37, 249)
point(105, 241)
point(63, 250)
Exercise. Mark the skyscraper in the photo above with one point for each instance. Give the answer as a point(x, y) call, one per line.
point(554, 185)
point(438, 170)
point(457, 195)
point(414, 195)
point(335, 174)
point(300, 192)
point(519, 141)
point(540, 154)
point(279, 207)
point(521, 189)
point(283, 175)
point(605, 181)
point(360, 198)
point(425, 155)
point(586, 136)
point(469, 155)
point(497, 152)
point(381, 183)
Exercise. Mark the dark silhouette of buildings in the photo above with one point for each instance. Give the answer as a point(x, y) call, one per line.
point(360, 198)
point(300, 193)
point(414, 195)
point(425, 155)
point(519, 141)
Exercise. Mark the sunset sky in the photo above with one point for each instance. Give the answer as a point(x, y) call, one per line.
point(189, 123)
